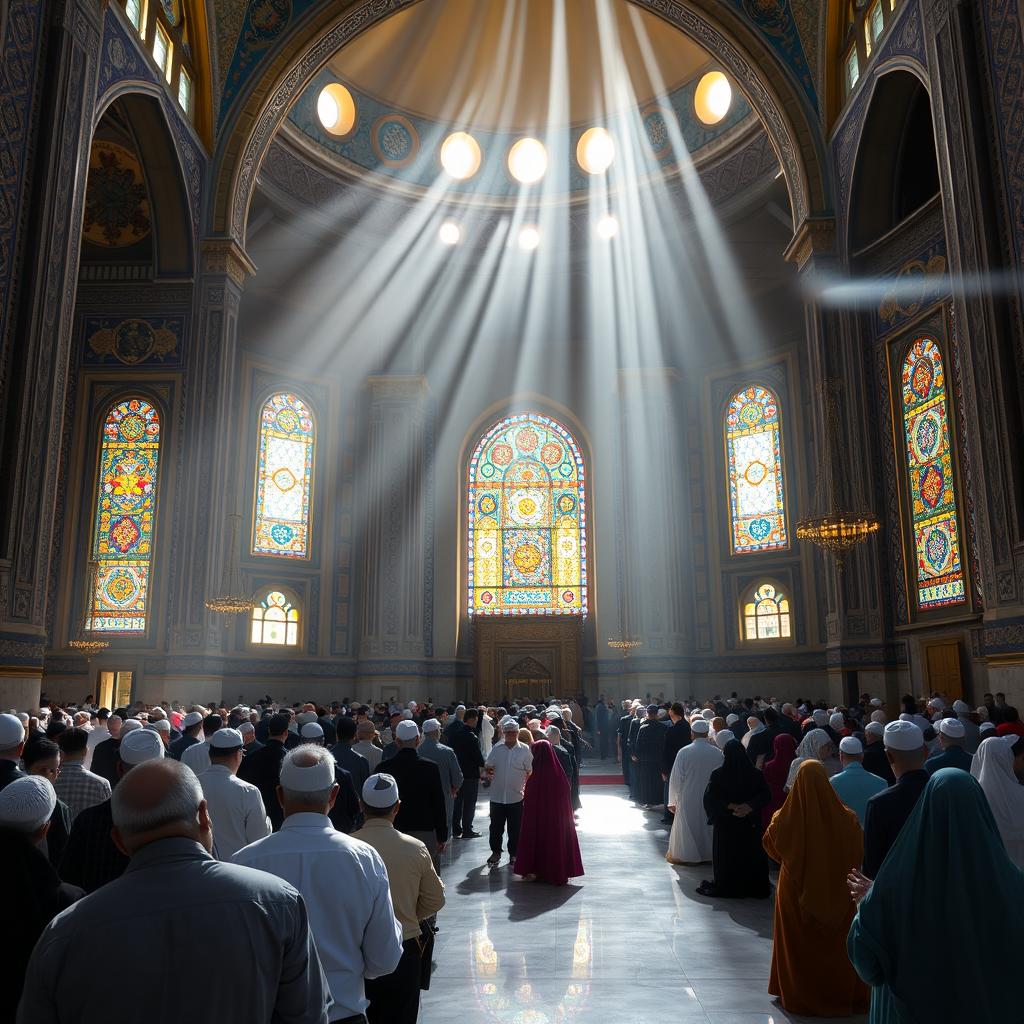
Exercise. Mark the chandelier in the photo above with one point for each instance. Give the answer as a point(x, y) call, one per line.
point(839, 529)
point(625, 645)
point(85, 641)
point(231, 599)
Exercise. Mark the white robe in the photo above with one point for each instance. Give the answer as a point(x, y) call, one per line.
point(690, 840)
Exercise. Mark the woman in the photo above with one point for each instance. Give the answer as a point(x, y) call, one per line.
point(733, 800)
point(818, 842)
point(817, 744)
point(776, 772)
point(993, 768)
point(548, 849)
point(924, 910)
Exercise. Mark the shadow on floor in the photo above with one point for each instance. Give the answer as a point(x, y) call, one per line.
point(532, 899)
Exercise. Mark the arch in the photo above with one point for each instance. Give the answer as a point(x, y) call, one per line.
point(526, 516)
point(754, 471)
point(783, 109)
point(283, 500)
point(765, 613)
point(275, 619)
point(124, 518)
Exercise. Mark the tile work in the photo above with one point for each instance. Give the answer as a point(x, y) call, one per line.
point(631, 942)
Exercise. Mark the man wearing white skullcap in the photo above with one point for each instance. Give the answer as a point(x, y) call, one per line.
point(359, 939)
point(508, 766)
point(722, 737)
point(191, 727)
point(345, 813)
point(197, 756)
point(855, 786)
point(432, 749)
point(972, 733)
point(416, 892)
point(953, 753)
point(691, 835)
point(875, 760)
point(26, 805)
point(12, 744)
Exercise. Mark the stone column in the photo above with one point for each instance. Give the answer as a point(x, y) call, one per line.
point(34, 393)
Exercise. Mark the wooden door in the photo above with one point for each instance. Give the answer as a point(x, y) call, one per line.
point(942, 668)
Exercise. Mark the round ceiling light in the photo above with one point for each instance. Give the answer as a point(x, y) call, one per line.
point(529, 237)
point(713, 97)
point(596, 150)
point(460, 155)
point(449, 233)
point(336, 109)
point(527, 161)
point(607, 227)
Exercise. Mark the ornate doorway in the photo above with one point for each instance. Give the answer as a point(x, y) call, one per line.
point(527, 657)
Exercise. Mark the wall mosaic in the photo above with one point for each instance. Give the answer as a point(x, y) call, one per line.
point(135, 341)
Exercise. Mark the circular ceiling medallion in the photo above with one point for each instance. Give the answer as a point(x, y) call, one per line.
point(395, 140)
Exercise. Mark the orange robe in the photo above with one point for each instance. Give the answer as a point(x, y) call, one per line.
point(817, 840)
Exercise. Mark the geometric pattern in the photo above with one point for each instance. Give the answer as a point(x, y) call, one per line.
point(284, 478)
point(753, 443)
point(275, 621)
point(940, 577)
point(125, 514)
point(527, 520)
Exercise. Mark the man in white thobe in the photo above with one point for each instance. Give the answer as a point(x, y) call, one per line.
point(690, 840)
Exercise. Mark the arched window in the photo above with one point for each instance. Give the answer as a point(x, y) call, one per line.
point(527, 520)
point(275, 620)
point(122, 543)
point(940, 577)
point(284, 478)
point(766, 614)
point(753, 448)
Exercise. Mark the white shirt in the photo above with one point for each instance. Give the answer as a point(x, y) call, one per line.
point(197, 757)
point(96, 737)
point(486, 735)
point(236, 810)
point(345, 886)
point(511, 765)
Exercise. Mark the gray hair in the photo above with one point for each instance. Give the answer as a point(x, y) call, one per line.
point(310, 755)
point(179, 806)
point(554, 734)
point(246, 727)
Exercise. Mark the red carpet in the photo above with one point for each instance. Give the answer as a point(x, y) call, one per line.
point(600, 780)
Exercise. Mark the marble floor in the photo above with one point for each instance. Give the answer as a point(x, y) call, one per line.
point(630, 943)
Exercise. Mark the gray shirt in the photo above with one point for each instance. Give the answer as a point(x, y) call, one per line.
point(447, 764)
point(172, 914)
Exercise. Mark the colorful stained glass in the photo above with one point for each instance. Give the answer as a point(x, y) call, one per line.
point(766, 615)
point(753, 447)
point(527, 520)
point(284, 478)
point(940, 577)
point(122, 543)
point(275, 621)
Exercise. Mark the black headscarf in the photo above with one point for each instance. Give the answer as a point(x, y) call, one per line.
point(737, 781)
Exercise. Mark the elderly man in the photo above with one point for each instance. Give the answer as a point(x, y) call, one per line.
point(508, 766)
point(173, 914)
point(364, 745)
point(432, 749)
point(345, 814)
point(263, 766)
point(855, 786)
point(75, 785)
point(104, 728)
point(874, 759)
point(360, 938)
point(352, 761)
point(952, 740)
point(690, 839)
point(191, 727)
point(966, 717)
point(197, 756)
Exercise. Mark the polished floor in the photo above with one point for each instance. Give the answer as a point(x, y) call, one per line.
point(630, 943)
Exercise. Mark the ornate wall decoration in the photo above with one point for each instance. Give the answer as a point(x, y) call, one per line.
point(133, 342)
point(918, 283)
point(775, 20)
point(116, 203)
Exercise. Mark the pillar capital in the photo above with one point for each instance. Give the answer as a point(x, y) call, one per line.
point(813, 240)
point(224, 256)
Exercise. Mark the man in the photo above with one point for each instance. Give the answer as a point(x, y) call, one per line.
point(952, 740)
point(364, 745)
point(103, 758)
point(601, 727)
point(471, 764)
point(639, 717)
point(789, 721)
point(236, 807)
point(262, 767)
point(12, 746)
point(874, 760)
point(966, 718)
point(249, 742)
point(855, 786)
point(343, 881)
point(690, 840)
point(650, 743)
point(101, 732)
point(345, 814)
point(622, 736)
point(353, 762)
point(423, 813)
point(173, 914)
point(417, 894)
point(760, 742)
point(197, 756)
point(432, 749)
point(451, 724)
point(75, 785)
point(191, 726)
point(508, 767)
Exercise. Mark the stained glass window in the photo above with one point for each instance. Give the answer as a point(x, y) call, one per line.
point(766, 614)
point(527, 520)
point(275, 620)
point(122, 544)
point(284, 478)
point(940, 577)
point(753, 443)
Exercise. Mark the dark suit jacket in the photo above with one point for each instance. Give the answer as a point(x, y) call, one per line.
point(105, 759)
point(263, 769)
point(419, 789)
point(9, 771)
point(354, 763)
point(877, 763)
point(177, 748)
point(886, 815)
point(953, 757)
point(467, 752)
point(90, 858)
point(677, 737)
point(345, 815)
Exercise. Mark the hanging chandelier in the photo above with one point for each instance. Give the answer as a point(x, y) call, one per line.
point(231, 599)
point(838, 530)
point(85, 641)
point(625, 645)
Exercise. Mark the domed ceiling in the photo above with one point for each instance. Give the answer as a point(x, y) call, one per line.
point(501, 70)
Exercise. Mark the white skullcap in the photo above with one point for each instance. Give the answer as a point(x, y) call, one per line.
point(23, 716)
point(310, 731)
point(837, 720)
point(701, 727)
point(406, 730)
point(508, 724)
point(903, 735)
point(226, 739)
point(876, 702)
point(161, 725)
point(875, 728)
point(987, 727)
point(707, 714)
point(723, 737)
point(878, 716)
point(460, 707)
point(380, 791)
point(309, 779)
point(820, 717)
point(938, 703)
point(246, 727)
point(130, 726)
point(851, 745)
point(192, 718)
point(12, 732)
point(952, 727)
point(731, 719)
point(27, 803)
point(431, 725)
point(906, 718)
point(140, 745)
point(961, 707)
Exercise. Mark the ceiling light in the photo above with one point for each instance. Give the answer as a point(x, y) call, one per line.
point(449, 233)
point(713, 97)
point(596, 150)
point(527, 161)
point(460, 155)
point(607, 227)
point(336, 109)
point(529, 237)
